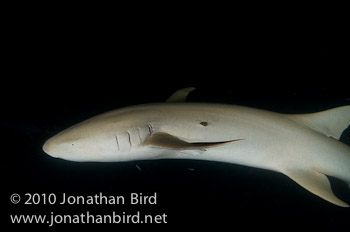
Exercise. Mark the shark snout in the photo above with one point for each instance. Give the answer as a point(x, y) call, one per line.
point(49, 148)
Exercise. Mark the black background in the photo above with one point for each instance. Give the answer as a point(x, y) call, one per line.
point(63, 67)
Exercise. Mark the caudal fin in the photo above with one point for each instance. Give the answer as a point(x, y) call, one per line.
point(317, 183)
point(330, 122)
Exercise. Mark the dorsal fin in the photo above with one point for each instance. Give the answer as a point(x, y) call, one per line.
point(331, 122)
point(180, 95)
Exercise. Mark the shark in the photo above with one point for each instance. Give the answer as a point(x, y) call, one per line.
point(304, 147)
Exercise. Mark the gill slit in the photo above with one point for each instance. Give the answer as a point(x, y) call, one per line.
point(150, 128)
point(129, 139)
point(116, 139)
point(138, 132)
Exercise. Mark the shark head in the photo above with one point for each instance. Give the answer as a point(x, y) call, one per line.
point(113, 136)
point(79, 143)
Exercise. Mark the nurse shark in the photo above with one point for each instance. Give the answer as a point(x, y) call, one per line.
point(304, 147)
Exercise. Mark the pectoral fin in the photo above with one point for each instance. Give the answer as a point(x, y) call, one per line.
point(168, 141)
point(317, 183)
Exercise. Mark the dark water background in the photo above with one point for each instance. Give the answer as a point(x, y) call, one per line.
point(59, 77)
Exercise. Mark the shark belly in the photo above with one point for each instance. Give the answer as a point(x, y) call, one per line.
point(261, 142)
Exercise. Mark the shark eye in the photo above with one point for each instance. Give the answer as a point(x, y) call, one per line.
point(73, 144)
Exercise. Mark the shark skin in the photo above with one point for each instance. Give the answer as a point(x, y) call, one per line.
point(303, 147)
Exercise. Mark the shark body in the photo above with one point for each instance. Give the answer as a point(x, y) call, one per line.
point(303, 147)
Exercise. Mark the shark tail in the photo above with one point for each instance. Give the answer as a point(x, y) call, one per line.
point(317, 183)
point(331, 122)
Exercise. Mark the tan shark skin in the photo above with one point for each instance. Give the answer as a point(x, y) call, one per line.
point(303, 147)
